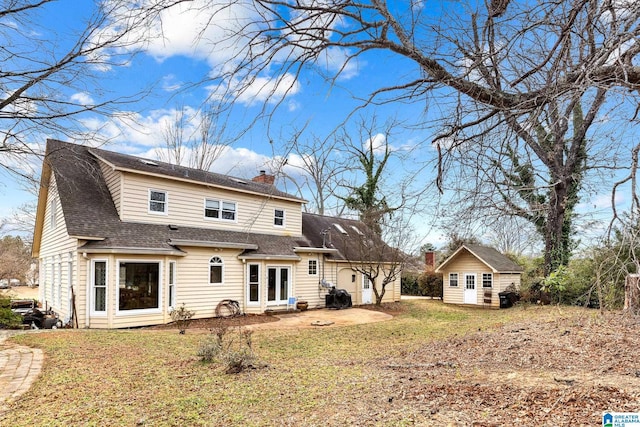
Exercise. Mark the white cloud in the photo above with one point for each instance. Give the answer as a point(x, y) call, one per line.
point(377, 143)
point(82, 98)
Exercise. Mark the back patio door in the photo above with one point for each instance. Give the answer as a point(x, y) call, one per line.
point(278, 282)
point(470, 291)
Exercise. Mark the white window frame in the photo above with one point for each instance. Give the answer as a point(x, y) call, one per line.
point(313, 267)
point(69, 283)
point(213, 263)
point(221, 210)
point(277, 218)
point(166, 202)
point(160, 288)
point(171, 280)
point(249, 283)
point(92, 309)
point(490, 280)
point(457, 285)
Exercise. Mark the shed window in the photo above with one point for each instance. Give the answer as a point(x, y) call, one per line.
point(487, 280)
point(215, 270)
point(453, 279)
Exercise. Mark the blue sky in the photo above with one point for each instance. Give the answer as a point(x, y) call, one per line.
point(170, 63)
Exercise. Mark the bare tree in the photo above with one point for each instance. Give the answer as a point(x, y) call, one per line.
point(379, 258)
point(15, 258)
point(536, 73)
point(319, 170)
point(45, 78)
point(195, 138)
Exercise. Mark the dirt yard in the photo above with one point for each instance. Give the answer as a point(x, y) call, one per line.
point(21, 292)
point(531, 373)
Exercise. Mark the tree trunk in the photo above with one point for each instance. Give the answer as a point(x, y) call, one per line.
point(556, 240)
point(632, 294)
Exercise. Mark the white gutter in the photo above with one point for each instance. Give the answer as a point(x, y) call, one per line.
point(315, 250)
point(210, 244)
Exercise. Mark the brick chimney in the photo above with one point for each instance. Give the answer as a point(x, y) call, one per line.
point(263, 178)
point(430, 260)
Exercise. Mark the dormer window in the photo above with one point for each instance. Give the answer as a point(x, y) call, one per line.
point(158, 202)
point(278, 218)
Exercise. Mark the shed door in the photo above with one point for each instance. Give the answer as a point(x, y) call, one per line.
point(470, 291)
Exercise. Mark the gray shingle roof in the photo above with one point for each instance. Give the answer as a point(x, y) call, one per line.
point(138, 164)
point(490, 256)
point(358, 244)
point(89, 211)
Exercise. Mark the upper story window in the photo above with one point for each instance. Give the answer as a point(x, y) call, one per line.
point(219, 209)
point(487, 280)
point(453, 279)
point(313, 267)
point(158, 201)
point(215, 270)
point(278, 218)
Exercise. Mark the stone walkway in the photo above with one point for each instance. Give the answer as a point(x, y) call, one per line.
point(19, 368)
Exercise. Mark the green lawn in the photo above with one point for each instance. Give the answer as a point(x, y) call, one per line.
point(329, 376)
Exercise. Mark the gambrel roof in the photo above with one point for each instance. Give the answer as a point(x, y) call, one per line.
point(496, 261)
point(91, 215)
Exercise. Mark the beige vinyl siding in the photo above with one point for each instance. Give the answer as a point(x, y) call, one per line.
point(307, 287)
point(506, 279)
point(464, 263)
point(54, 253)
point(392, 290)
point(254, 213)
point(114, 183)
point(192, 281)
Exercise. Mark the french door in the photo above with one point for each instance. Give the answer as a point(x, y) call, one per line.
point(278, 285)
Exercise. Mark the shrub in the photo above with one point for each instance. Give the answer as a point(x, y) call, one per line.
point(231, 346)
point(8, 319)
point(430, 284)
point(182, 317)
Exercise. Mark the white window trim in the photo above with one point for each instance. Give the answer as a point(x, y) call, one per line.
point(221, 264)
point(59, 283)
point(284, 218)
point(92, 281)
point(249, 302)
point(221, 209)
point(457, 285)
point(166, 202)
point(491, 277)
point(125, 313)
point(309, 267)
point(171, 284)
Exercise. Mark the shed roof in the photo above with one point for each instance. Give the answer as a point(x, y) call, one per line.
point(492, 258)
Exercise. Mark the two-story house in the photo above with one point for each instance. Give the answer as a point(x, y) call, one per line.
point(122, 241)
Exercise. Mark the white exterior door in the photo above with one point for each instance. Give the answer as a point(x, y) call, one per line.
point(470, 289)
point(366, 290)
point(278, 285)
